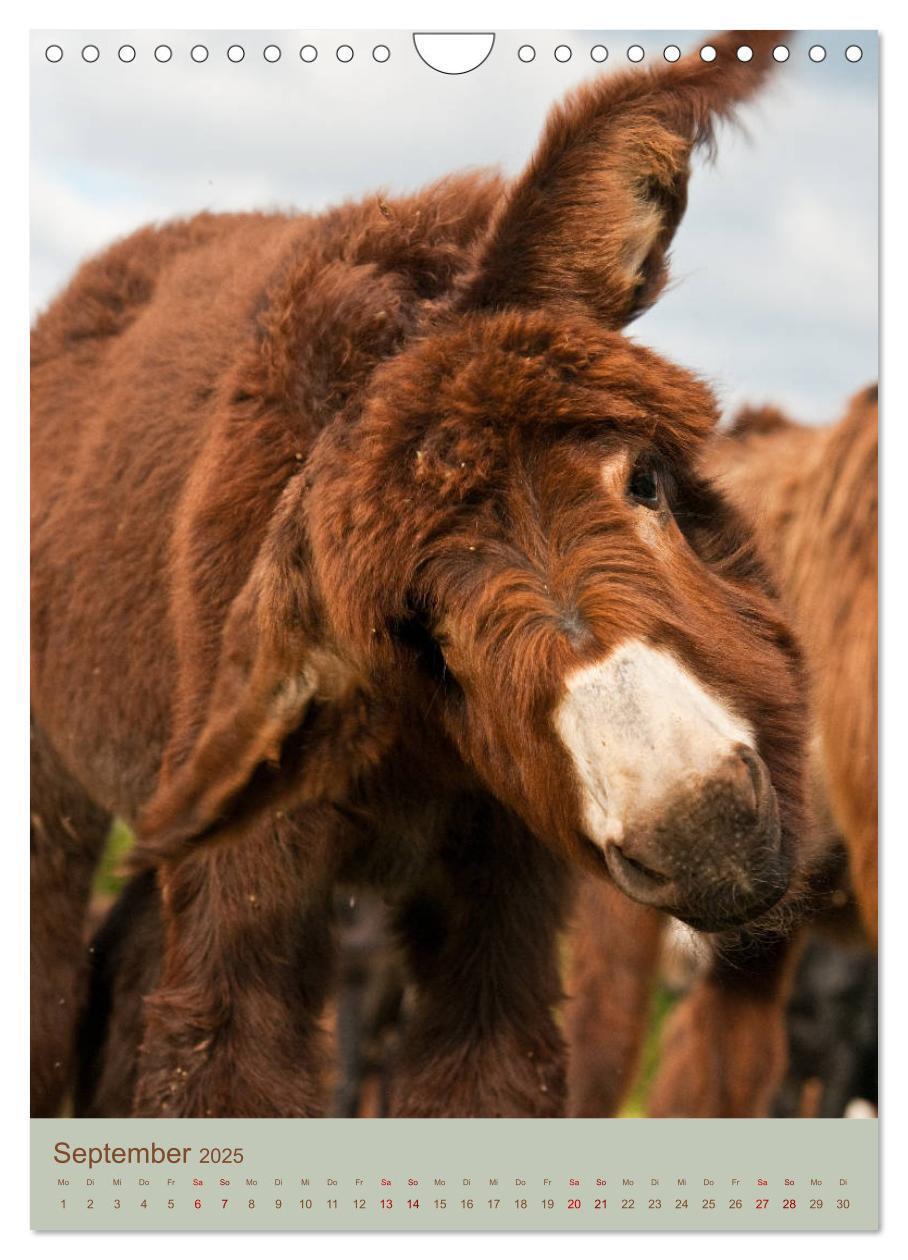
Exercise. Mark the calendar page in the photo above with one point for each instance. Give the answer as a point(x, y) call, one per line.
point(454, 630)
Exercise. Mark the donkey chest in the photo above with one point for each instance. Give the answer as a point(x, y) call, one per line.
point(400, 837)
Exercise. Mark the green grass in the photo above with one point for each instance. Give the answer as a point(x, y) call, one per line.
point(662, 1003)
point(109, 877)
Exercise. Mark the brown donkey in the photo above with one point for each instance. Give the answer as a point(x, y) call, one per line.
point(368, 549)
point(811, 496)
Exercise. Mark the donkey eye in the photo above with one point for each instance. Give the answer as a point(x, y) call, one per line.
point(643, 486)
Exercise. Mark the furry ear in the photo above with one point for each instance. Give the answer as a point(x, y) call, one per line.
point(750, 421)
point(270, 674)
point(591, 219)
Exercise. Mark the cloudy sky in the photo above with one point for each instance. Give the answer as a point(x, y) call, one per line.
point(775, 265)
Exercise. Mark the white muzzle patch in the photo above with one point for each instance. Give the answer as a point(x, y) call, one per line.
point(639, 728)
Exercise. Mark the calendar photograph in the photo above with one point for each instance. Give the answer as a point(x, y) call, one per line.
point(454, 629)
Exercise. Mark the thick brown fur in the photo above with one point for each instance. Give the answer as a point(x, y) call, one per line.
point(810, 495)
point(320, 531)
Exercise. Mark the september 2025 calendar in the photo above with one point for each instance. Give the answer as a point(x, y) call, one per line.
point(462, 1175)
point(454, 630)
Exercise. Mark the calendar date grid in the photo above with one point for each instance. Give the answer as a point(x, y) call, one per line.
point(410, 1195)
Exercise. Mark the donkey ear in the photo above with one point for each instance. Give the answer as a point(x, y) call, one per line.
point(591, 219)
point(269, 675)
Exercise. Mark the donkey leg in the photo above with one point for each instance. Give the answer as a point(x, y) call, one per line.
point(233, 1026)
point(126, 955)
point(725, 1048)
point(481, 941)
point(67, 835)
point(614, 947)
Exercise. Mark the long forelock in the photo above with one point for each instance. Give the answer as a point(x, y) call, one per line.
point(434, 451)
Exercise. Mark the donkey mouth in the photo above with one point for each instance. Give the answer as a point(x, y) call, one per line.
point(727, 906)
point(713, 908)
point(725, 917)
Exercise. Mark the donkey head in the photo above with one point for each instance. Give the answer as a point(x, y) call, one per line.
point(512, 539)
point(519, 525)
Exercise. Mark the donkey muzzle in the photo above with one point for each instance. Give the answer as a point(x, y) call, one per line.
point(713, 854)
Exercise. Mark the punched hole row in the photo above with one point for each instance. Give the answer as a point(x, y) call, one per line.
point(636, 54)
point(381, 53)
point(235, 53)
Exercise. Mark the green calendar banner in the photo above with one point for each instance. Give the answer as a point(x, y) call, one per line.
point(454, 1174)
